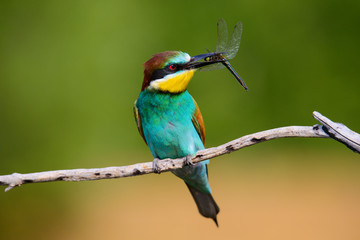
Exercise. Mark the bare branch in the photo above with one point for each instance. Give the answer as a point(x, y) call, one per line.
point(330, 130)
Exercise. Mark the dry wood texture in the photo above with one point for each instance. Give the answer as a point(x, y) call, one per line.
point(329, 129)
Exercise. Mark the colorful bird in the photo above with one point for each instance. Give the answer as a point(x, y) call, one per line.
point(169, 119)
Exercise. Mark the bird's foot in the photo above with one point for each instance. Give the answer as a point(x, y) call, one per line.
point(188, 161)
point(156, 166)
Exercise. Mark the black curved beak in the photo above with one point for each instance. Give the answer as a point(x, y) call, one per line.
point(203, 60)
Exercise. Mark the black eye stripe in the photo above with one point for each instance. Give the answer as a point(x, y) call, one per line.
point(160, 73)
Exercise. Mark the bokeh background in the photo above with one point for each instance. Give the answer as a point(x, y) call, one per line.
point(71, 70)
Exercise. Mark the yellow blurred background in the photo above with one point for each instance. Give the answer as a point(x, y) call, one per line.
point(71, 70)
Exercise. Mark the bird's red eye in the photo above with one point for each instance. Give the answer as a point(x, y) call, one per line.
point(172, 67)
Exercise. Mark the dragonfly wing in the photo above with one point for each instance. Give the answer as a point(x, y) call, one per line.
point(234, 42)
point(222, 35)
point(222, 41)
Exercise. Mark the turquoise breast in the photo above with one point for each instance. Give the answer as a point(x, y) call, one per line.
point(167, 125)
point(169, 132)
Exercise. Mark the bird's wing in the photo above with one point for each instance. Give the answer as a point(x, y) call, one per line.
point(138, 121)
point(198, 122)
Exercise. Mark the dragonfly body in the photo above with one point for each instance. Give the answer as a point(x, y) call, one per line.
point(219, 57)
point(226, 49)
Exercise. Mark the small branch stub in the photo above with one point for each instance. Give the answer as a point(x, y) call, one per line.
point(329, 129)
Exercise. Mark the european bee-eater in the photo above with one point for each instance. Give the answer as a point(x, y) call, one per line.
point(169, 119)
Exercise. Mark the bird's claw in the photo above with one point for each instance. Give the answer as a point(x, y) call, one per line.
point(156, 166)
point(188, 161)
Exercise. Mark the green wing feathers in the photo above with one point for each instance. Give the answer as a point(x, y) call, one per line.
point(138, 121)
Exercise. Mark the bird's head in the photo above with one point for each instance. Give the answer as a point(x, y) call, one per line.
point(172, 71)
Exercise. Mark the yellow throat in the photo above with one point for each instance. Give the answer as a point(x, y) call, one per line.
point(173, 83)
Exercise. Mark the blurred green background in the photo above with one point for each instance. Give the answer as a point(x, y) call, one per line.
point(71, 70)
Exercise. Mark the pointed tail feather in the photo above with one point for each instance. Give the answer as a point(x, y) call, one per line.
point(205, 203)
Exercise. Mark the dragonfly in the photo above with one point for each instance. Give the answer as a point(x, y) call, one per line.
point(226, 50)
